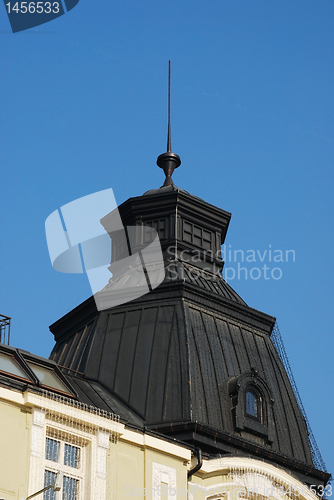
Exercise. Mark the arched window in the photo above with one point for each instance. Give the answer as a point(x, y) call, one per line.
point(252, 404)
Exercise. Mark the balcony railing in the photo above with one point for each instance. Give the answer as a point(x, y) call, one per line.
point(4, 329)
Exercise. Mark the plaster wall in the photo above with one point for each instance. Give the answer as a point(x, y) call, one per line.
point(148, 467)
point(15, 450)
point(130, 469)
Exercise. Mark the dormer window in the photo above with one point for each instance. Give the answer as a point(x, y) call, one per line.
point(251, 404)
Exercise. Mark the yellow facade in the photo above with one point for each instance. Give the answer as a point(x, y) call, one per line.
point(15, 446)
point(116, 462)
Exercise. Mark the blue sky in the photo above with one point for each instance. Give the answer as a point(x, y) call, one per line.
point(83, 108)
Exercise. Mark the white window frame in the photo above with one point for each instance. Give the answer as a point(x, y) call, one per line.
point(93, 441)
point(75, 473)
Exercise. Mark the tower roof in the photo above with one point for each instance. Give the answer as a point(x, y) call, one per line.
point(182, 359)
point(190, 359)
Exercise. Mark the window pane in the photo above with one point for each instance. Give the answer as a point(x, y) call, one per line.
point(8, 364)
point(52, 450)
point(206, 235)
point(187, 227)
point(197, 231)
point(187, 237)
point(71, 456)
point(251, 404)
point(70, 488)
point(47, 377)
point(49, 478)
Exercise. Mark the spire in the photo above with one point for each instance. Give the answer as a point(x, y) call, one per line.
point(169, 139)
point(168, 161)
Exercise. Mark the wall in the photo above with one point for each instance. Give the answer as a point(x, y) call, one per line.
point(15, 448)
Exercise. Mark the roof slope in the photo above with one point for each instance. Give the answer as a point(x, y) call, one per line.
point(172, 361)
point(181, 359)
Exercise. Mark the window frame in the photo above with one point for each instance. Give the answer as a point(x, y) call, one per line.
point(262, 425)
point(16, 362)
point(74, 473)
point(197, 236)
point(258, 401)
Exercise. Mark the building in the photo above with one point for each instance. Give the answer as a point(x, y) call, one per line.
point(180, 393)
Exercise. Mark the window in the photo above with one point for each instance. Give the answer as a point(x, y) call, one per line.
point(69, 490)
point(159, 226)
point(47, 377)
point(66, 458)
point(49, 478)
point(252, 404)
point(52, 450)
point(9, 365)
point(197, 236)
point(71, 456)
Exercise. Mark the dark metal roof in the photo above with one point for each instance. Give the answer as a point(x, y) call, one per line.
point(170, 364)
point(176, 271)
point(93, 393)
point(181, 358)
point(173, 361)
point(201, 280)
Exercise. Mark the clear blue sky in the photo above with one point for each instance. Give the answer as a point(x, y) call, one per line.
point(83, 108)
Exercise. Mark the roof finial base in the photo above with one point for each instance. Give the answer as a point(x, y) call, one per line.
point(168, 162)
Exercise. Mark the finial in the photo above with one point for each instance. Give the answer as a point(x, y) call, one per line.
point(168, 161)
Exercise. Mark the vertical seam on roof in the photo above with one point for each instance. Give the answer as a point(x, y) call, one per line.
point(180, 366)
point(134, 354)
point(88, 346)
point(105, 329)
point(255, 335)
point(214, 372)
point(86, 334)
point(167, 362)
point(196, 347)
point(186, 326)
point(221, 345)
point(245, 347)
point(233, 344)
point(119, 347)
point(150, 362)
